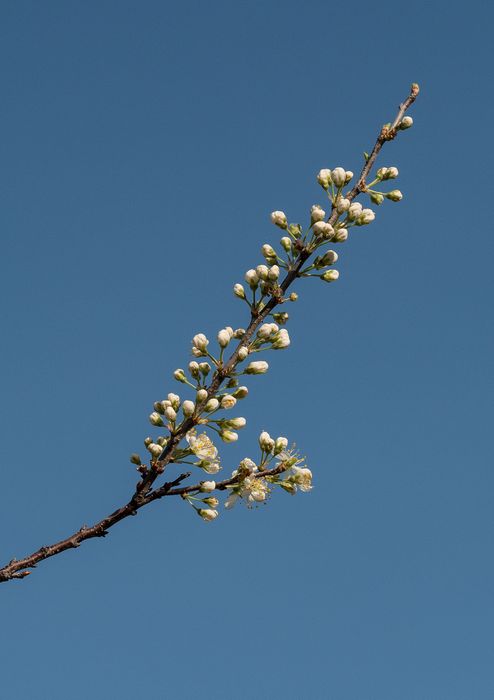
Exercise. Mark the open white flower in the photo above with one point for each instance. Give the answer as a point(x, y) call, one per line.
point(201, 446)
point(302, 476)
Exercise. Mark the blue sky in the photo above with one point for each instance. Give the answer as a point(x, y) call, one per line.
point(144, 145)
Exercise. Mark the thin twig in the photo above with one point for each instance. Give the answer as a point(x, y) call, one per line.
point(143, 494)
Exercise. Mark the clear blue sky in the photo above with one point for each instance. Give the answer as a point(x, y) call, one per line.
point(143, 146)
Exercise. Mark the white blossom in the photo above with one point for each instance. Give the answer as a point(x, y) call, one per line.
point(323, 229)
point(212, 405)
point(228, 436)
point(317, 213)
point(188, 408)
point(342, 205)
point(242, 353)
point(330, 275)
point(200, 342)
point(252, 278)
point(239, 291)
point(223, 338)
point(208, 486)
point(266, 442)
point(394, 195)
point(324, 178)
point(228, 401)
point(279, 219)
point(201, 445)
point(156, 419)
point(257, 367)
point(338, 176)
point(207, 514)
point(281, 340)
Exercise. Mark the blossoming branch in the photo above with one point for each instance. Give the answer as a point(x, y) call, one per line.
point(214, 380)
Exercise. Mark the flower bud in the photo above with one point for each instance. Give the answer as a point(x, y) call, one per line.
point(279, 219)
point(135, 459)
point(207, 514)
point(324, 178)
point(354, 211)
point(158, 407)
point(280, 445)
point(211, 501)
point(268, 252)
point(406, 123)
point(330, 276)
point(329, 258)
point(293, 296)
point(394, 195)
point(266, 442)
point(228, 436)
point(155, 449)
point(392, 173)
point(228, 401)
point(340, 236)
point(262, 272)
point(162, 441)
point(258, 367)
point(148, 441)
point(252, 278)
point(171, 414)
point(342, 205)
point(239, 291)
point(194, 369)
point(223, 338)
point(174, 400)
point(365, 217)
point(212, 405)
point(322, 229)
point(317, 213)
point(338, 176)
point(156, 419)
point(241, 392)
point(281, 340)
point(242, 353)
point(200, 342)
point(202, 395)
point(205, 368)
point(348, 176)
point(376, 198)
point(210, 467)
point(382, 174)
point(208, 486)
point(274, 273)
point(286, 244)
point(237, 423)
point(264, 331)
point(179, 375)
point(188, 408)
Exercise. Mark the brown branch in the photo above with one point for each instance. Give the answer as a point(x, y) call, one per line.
point(143, 494)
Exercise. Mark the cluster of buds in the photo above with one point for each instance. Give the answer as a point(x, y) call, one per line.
point(339, 177)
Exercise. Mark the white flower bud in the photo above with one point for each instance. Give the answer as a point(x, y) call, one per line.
point(330, 276)
point(188, 408)
point(242, 353)
point(262, 272)
point(324, 178)
point(340, 236)
point(210, 467)
point(266, 442)
point(228, 401)
point(280, 445)
point(392, 173)
point(211, 501)
point(208, 486)
point(156, 419)
point(200, 341)
point(205, 368)
point(329, 258)
point(252, 278)
point(158, 406)
point(376, 198)
point(406, 123)
point(322, 229)
point(179, 375)
point(279, 219)
point(241, 392)
point(317, 213)
point(265, 330)
point(286, 243)
point(258, 367)
point(212, 405)
point(239, 291)
point(382, 174)
point(148, 441)
point(202, 395)
point(274, 273)
point(354, 211)
point(223, 338)
point(394, 195)
point(171, 414)
point(174, 400)
point(342, 205)
point(268, 252)
point(237, 423)
point(228, 436)
point(365, 217)
point(338, 176)
point(155, 449)
point(293, 296)
point(348, 176)
point(194, 369)
point(207, 514)
point(281, 340)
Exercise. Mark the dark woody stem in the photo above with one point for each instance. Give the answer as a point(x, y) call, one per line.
point(144, 493)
